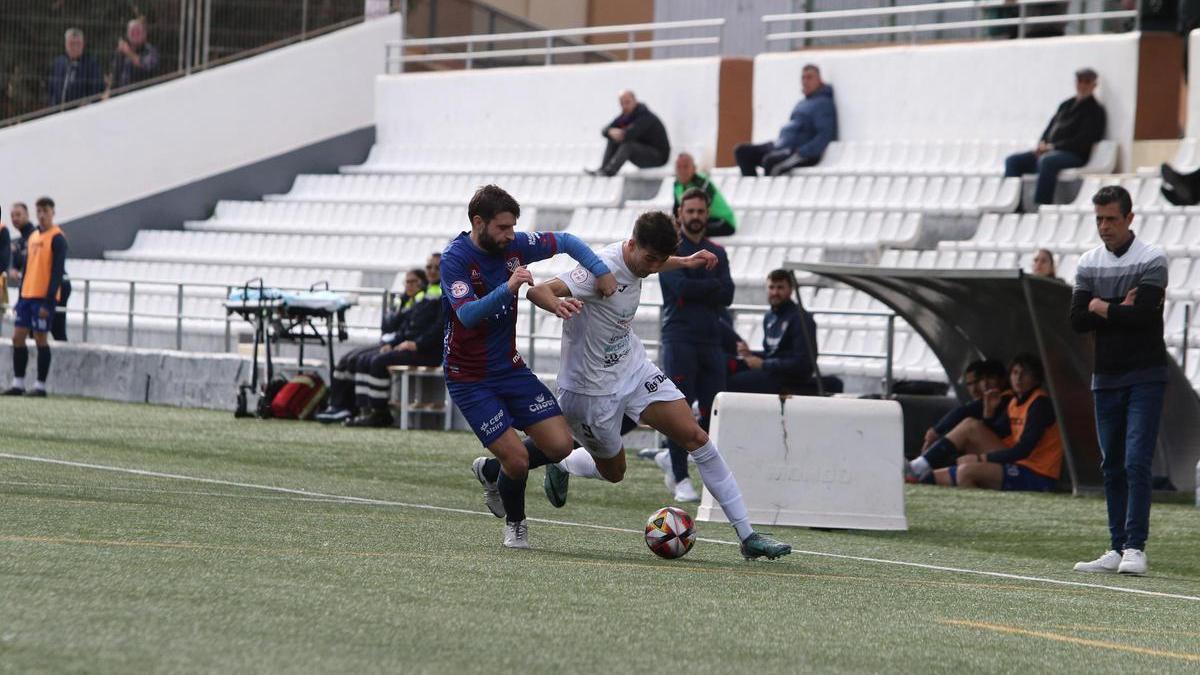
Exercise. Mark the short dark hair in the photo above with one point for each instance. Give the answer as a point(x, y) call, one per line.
point(43, 201)
point(1029, 362)
point(987, 368)
point(695, 193)
point(22, 205)
point(655, 232)
point(1110, 194)
point(778, 275)
point(490, 201)
point(813, 67)
point(420, 275)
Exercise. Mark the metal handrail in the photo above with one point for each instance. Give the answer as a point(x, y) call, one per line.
point(395, 56)
point(1020, 21)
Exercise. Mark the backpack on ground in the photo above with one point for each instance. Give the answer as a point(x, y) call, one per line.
point(299, 398)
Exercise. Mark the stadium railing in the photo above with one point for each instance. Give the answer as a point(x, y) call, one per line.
point(471, 49)
point(896, 31)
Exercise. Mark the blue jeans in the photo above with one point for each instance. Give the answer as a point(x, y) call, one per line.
point(1046, 167)
point(1127, 426)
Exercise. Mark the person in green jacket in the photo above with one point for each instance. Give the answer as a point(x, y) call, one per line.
point(721, 221)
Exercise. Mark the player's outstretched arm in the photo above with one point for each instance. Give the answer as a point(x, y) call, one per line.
point(702, 258)
point(554, 297)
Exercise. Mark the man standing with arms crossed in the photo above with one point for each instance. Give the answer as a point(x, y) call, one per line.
point(40, 288)
point(1119, 291)
point(693, 302)
point(482, 271)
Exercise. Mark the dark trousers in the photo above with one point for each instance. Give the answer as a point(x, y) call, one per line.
point(1047, 168)
point(1181, 189)
point(643, 156)
point(341, 390)
point(1127, 427)
point(374, 382)
point(699, 372)
point(775, 162)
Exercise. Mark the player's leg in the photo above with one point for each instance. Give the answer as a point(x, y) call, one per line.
point(680, 364)
point(986, 475)
point(596, 423)
point(20, 360)
point(42, 340)
point(674, 419)
point(970, 436)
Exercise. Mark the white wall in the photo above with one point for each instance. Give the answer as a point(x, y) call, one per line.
point(1004, 89)
point(142, 143)
point(566, 104)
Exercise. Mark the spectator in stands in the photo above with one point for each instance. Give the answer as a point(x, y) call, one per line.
point(785, 363)
point(721, 221)
point(1015, 446)
point(802, 141)
point(433, 270)
point(20, 246)
point(1067, 141)
point(1120, 287)
point(415, 341)
point(136, 59)
point(694, 304)
point(75, 74)
point(5, 260)
point(980, 377)
point(347, 374)
point(39, 289)
point(1043, 264)
point(636, 135)
point(1181, 189)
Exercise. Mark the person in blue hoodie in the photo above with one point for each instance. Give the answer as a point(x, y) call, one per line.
point(785, 363)
point(802, 141)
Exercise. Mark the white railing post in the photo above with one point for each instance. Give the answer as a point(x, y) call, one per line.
point(549, 51)
point(87, 302)
point(129, 327)
point(179, 317)
point(228, 322)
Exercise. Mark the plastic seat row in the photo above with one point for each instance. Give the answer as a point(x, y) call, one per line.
point(456, 189)
point(463, 158)
point(333, 217)
point(954, 194)
point(1145, 191)
point(1073, 232)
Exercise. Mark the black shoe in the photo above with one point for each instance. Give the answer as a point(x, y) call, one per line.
point(14, 391)
point(331, 415)
point(37, 393)
point(373, 419)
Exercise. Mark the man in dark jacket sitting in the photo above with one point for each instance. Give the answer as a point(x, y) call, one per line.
point(785, 364)
point(1067, 142)
point(802, 141)
point(636, 135)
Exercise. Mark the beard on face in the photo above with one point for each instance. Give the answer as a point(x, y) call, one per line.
point(695, 226)
point(488, 243)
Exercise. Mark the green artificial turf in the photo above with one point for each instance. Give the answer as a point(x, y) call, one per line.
point(113, 572)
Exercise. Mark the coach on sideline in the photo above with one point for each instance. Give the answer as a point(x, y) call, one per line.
point(1119, 291)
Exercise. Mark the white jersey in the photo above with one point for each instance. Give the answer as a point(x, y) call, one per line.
point(599, 349)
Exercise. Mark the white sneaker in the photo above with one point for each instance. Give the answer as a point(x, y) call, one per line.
point(663, 460)
point(1106, 563)
point(685, 492)
point(516, 535)
point(1133, 562)
point(491, 493)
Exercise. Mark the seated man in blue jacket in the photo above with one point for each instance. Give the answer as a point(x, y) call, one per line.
point(802, 141)
point(785, 364)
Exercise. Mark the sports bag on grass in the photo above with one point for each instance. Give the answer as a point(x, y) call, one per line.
point(299, 398)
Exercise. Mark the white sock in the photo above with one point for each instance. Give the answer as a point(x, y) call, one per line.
point(39, 386)
point(18, 383)
point(580, 463)
point(920, 466)
point(720, 482)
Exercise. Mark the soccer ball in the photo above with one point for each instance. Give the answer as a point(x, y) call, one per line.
point(670, 532)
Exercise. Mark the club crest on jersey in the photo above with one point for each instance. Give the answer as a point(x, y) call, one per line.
point(459, 289)
point(579, 275)
point(512, 264)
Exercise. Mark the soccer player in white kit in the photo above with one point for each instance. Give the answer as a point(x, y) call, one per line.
point(605, 376)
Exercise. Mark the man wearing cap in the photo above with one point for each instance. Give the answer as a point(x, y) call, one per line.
point(1067, 141)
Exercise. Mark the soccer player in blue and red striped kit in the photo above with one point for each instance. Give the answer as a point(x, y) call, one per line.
point(482, 271)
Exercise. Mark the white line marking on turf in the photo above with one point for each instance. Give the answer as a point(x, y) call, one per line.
point(566, 523)
point(192, 493)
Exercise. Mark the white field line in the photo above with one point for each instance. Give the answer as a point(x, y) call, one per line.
point(565, 523)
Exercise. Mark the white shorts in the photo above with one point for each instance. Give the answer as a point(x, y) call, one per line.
point(596, 420)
